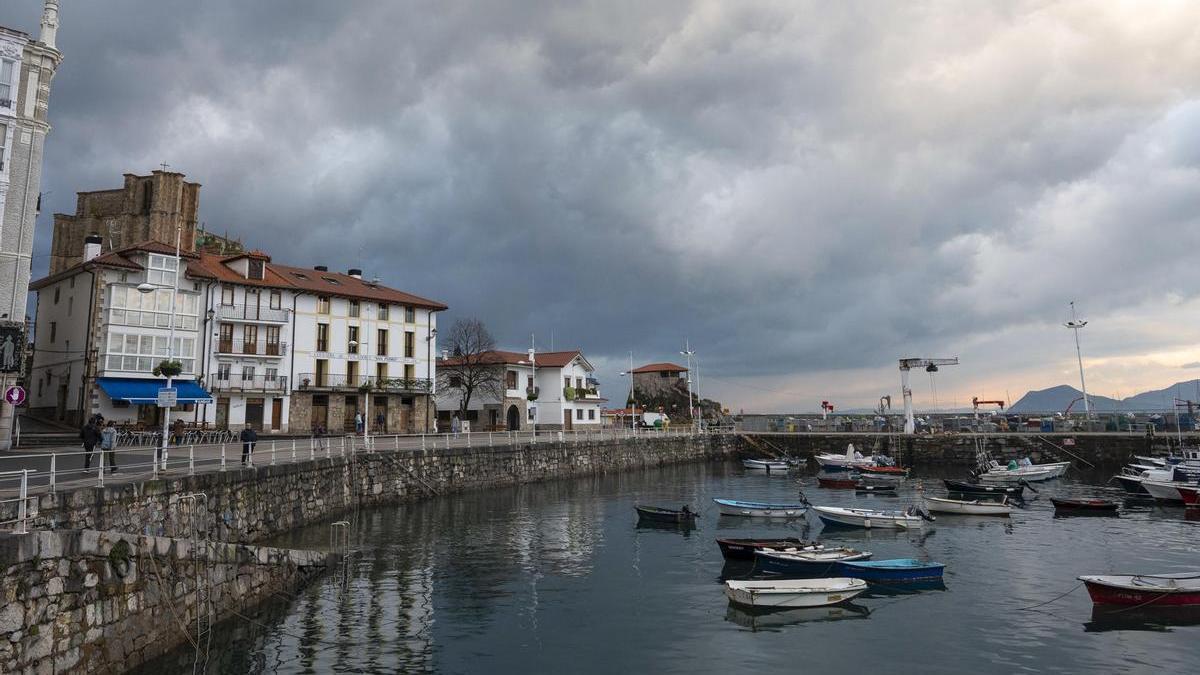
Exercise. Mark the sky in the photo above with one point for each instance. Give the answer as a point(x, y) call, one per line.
point(804, 191)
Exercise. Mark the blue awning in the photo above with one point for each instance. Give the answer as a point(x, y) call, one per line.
point(140, 391)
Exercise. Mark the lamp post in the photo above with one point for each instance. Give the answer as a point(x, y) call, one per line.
point(429, 374)
point(687, 351)
point(1074, 324)
point(145, 288)
point(632, 402)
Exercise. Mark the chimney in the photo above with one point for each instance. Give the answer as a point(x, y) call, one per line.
point(355, 272)
point(321, 268)
point(49, 24)
point(91, 246)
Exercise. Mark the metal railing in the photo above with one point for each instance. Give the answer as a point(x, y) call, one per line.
point(278, 383)
point(251, 313)
point(385, 384)
point(256, 348)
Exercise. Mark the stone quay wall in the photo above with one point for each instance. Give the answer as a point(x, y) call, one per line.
point(1101, 449)
point(247, 505)
point(104, 602)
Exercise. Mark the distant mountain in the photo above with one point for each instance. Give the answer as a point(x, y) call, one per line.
point(1056, 399)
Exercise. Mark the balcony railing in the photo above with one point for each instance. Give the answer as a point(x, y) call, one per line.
point(259, 348)
point(251, 313)
point(237, 383)
point(418, 385)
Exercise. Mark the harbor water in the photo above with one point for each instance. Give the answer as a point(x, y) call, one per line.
point(559, 577)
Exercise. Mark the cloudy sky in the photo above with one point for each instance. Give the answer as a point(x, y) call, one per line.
point(805, 190)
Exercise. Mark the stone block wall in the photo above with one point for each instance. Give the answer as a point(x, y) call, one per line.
point(88, 601)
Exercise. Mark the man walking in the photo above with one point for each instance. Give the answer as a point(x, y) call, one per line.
point(108, 444)
point(90, 435)
point(249, 438)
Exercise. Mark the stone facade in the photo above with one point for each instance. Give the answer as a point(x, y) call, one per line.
point(87, 601)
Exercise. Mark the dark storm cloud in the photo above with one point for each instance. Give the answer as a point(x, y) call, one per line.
point(797, 187)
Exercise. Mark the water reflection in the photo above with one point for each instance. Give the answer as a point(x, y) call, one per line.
point(775, 620)
point(1158, 619)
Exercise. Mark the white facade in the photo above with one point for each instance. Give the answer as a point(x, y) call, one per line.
point(552, 409)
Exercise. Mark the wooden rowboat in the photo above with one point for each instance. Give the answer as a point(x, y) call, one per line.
point(870, 518)
point(1145, 589)
point(661, 515)
point(734, 507)
point(1084, 504)
point(964, 487)
point(768, 465)
point(745, 549)
point(794, 592)
point(794, 564)
point(977, 507)
point(899, 570)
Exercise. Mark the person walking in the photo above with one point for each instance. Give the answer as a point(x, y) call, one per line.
point(177, 432)
point(380, 422)
point(358, 422)
point(455, 425)
point(248, 438)
point(108, 445)
point(90, 435)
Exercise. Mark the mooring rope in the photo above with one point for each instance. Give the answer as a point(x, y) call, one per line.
point(1057, 597)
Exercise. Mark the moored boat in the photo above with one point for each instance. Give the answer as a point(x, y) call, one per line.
point(1190, 494)
point(745, 548)
point(851, 460)
point(977, 507)
point(805, 563)
point(661, 515)
point(734, 507)
point(1163, 490)
point(884, 471)
point(867, 488)
point(767, 465)
point(871, 518)
point(1016, 472)
point(794, 592)
point(964, 487)
point(1144, 589)
point(899, 570)
point(1092, 505)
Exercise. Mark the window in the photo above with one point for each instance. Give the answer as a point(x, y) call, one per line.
point(353, 308)
point(225, 341)
point(322, 337)
point(271, 375)
point(455, 381)
point(410, 372)
point(53, 330)
point(56, 290)
point(410, 315)
point(133, 308)
point(579, 413)
point(276, 300)
point(333, 281)
point(300, 275)
point(250, 339)
point(323, 304)
point(352, 373)
point(383, 312)
point(8, 68)
point(352, 339)
point(247, 373)
point(579, 383)
point(140, 353)
point(510, 380)
point(223, 371)
point(592, 414)
point(3, 145)
point(161, 270)
point(322, 373)
point(257, 268)
point(410, 344)
point(272, 341)
point(566, 382)
point(381, 373)
point(529, 382)
point(381, 342)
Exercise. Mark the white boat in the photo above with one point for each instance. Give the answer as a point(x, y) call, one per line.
point(734, 507)
point(851, 460)
point(996, 473)
point(871, 518)
point(765, 464)
point(977, 507)
point(794, 592)
point(1163, 490)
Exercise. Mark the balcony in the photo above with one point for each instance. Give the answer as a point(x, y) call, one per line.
point(259, 348)
point(251, 313)
point(258, 383)
point(341, 382)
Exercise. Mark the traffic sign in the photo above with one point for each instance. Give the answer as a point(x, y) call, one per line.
point(15, 394)
point(167, 397)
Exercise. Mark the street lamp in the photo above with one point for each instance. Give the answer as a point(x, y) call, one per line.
point(1075, 324)
point(632, 401)
point(145, 288)
point(687, 351)
point(532, 405)
point(429, 375)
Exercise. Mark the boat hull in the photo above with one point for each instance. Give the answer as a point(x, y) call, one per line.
point(744, 549)
point(867, 519)
point(1163, 491)
point(963, 487)
point(967, 508)
point(1131, 484)
point(823, 564)
point(1088, 505)
point(765, 465)
point(781, 593)
point(1140, 590)
point(729, 507)
point(892, 571)
point(1033, 474)
point(657, 515)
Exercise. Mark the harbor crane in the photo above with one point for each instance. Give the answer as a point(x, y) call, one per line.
point(976, 402)
point(930, 366)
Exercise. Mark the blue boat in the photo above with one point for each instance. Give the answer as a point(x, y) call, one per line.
point(896, 571)
point(821, 562)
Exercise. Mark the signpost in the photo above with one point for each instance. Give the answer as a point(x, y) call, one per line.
point(15, 395)
point(167, 397)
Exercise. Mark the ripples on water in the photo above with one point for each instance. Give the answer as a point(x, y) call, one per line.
point(557, 577)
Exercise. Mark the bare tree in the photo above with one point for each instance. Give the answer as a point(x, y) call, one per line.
point(472, 368)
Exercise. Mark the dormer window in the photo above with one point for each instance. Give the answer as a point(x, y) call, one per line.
point(257, 269)
point(161, 270)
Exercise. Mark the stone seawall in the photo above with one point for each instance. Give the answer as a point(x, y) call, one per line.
point(88, 601)
point(246, 505)
point(1102, 450)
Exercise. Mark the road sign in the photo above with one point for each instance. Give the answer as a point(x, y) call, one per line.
point(167, 398)
point(15, 394)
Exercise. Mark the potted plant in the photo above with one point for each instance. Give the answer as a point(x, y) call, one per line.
point(168, 368)
point(531, 393)
point(569, 393)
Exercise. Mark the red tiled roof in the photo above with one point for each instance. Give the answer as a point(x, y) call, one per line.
point(347, 286)
point(660, 368)
point(119, 258)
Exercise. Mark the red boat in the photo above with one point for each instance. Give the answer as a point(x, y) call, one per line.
point(883, 470)
point(841, 483)
point(1084, 504)
point(1190, 494)
point(1145, 589)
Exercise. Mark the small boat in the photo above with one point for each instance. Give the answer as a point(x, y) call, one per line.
point(851, 460)
point(898, 570)
point(967, 488)
point(1163, 490)
point(767, 465)
point(978, 507)
point(661, 515)
point(1144, 589)
point(867, 488)
point(805, 563)
point(793, 592)
point(734, 507)
point(872, 518)
point(883, 471)
point(745, 548)
point(1103, 505)
point(1016, 472)
point(838, 483)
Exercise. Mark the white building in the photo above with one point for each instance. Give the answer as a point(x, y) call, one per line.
point(26, 68)
point(567, 394)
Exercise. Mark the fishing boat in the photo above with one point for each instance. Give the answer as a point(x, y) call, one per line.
point(963, 487)
point(851, 460)
point(734, 507)
point(1015, 472)
point(1144, 589)
point(767, 465)
point(744, 549)
point(1091, 505)
point(661, 515)
point(899, 570)
point(1163, 490)
point(838, 483)
point(978, 507)
point(805, 563)
point(872, 518)
point(794, 592)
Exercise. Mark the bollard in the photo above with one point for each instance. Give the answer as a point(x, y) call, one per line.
point(222, 456)
point(328, 451)
point(272, 454)
point(468, 439)
point(293, 451)
point(489, 439)
point(21, 509)
point(343, 447)
point(447, 441)
point(101, 476)
point(53, 470)
point(422, 441)
point(191, 460)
